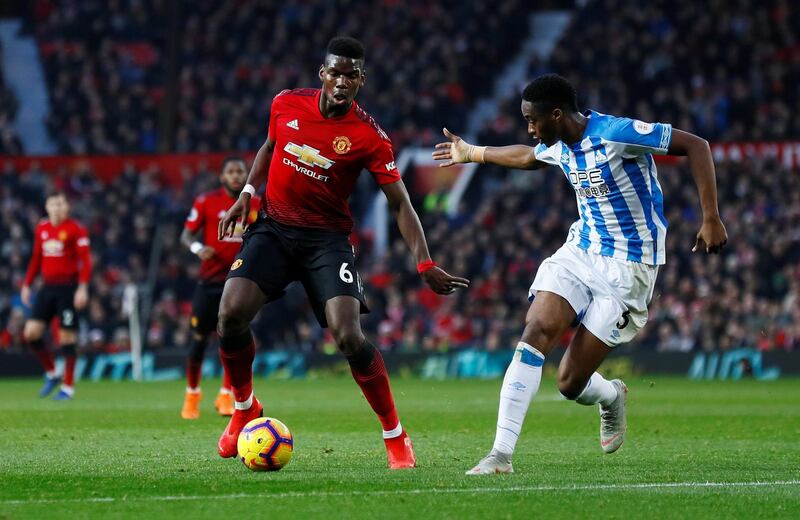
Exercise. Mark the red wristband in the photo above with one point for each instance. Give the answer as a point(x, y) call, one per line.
point(426, 265)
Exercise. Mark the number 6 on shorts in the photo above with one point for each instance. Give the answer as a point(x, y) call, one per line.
point(344, 274)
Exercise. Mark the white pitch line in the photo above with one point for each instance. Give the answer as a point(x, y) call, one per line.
point(425, 491)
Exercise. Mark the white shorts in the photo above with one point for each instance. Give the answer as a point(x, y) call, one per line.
point(609, 296)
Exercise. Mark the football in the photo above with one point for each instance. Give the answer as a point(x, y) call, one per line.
point(265, 444)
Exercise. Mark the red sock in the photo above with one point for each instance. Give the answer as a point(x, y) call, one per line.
point(43, 355)
point(226, 379)
point(193, 371)
point(374, 383)
point(69, 370)
point(237, 354)
point(70, 355)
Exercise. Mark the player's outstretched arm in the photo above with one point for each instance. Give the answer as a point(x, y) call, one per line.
point(457, 150)
point(241, 208)
point(193, 244)
point(411, 229)
point(712, 235)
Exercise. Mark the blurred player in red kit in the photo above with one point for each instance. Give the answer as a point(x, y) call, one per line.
point(319, 141)
point(61, 252)
point(200, 237)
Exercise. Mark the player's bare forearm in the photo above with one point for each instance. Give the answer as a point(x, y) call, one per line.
point(407, 220)
point(457, 151)
point(701, 164)
point(518, 156)
point(258, 173)
point(712, 235)
point(187, 238)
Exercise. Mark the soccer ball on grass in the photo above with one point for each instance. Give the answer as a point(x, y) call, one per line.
point(265, 444)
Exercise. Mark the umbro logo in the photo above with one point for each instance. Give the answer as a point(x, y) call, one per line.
point(516, 385)
point(599, 157)
point(293, 124)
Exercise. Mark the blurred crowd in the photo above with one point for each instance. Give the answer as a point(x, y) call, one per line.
point(10, 142)
point(138, 76)
point(148, 75)
point(729, 71)
point(105, 67)
point(508, 222)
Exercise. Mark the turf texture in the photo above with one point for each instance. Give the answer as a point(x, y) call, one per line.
point(120, 450)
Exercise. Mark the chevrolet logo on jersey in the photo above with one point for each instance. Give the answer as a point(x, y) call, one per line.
point(308, 155)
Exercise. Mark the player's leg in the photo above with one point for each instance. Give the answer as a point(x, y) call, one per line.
point(223, 403)
point(194, 367)
point(44, 309)
point(261, 271)
point(241, 300)
point(202, 322)
point(548, 317)
point(368, 370)
point(33, 334)
point(620, 292)
point(68, 340)
point(579, 381)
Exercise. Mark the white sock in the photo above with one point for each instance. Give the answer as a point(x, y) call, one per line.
point(50, 374)
point(195, 390)
point(244, 405)
point(598, 390)
point(391, 434)
point(69, 390)
point(226, 391)
point(520, 384)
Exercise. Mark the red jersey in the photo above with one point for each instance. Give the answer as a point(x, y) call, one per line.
point(62, 252)
point(317, 161)
point(207, 210)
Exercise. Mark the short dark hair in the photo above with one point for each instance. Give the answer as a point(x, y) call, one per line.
point(346, 46)
point(56, 193)
point(230, 159)
point(552, 91)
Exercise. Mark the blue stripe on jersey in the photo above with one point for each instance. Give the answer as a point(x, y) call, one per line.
point(658, 197)
point(631, 167)
point(606, 239)
point(620, 207)
point(584, 234)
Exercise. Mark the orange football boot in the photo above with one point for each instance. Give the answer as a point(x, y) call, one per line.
point(226, 447)
point(224, 404)
point(191, 405)
point(400, 452)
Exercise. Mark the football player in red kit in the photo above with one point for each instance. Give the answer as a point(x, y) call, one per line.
point(200, 237)
point(61, 252)
point(319, 141)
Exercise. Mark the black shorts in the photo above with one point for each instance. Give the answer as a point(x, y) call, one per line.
point(56, 300)
point(274, 255)
point(205, 307)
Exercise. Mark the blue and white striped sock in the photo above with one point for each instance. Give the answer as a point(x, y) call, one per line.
point(520, 384)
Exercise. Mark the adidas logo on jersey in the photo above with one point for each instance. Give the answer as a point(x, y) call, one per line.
point(293, 124)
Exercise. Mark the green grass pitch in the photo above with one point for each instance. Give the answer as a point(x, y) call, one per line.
point(120, 450)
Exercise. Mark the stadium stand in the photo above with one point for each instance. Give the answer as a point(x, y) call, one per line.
point(10, 143)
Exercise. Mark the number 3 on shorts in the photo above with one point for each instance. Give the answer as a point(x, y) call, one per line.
point(344, 274)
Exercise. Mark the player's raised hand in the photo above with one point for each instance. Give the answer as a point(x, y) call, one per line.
point(455, 151)
point(240, 209)
point(442, 283)
point(711, 237)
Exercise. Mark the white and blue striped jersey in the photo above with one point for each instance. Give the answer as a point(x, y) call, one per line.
point(620, 203)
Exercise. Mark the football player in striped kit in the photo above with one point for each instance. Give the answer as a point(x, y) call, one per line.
point(603, 277)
